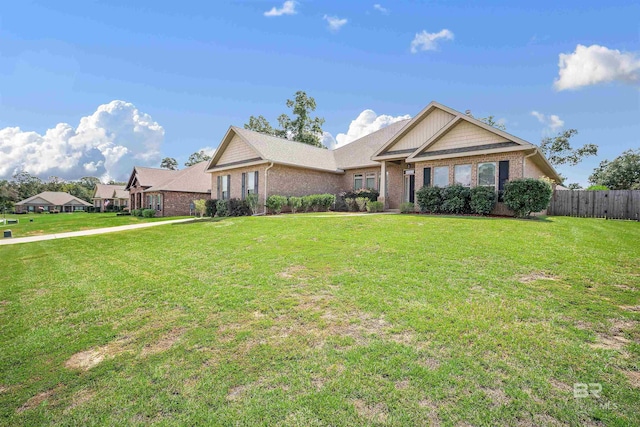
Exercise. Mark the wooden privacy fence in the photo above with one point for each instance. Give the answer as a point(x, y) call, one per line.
point(615, 204)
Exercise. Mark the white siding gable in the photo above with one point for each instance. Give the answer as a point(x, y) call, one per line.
point(465, 134)
point(237, 151)
point(425, 129)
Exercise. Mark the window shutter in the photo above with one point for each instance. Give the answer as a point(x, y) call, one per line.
point(255, 183)
point(228, 186)
point(244, 185)
point(426, 177)
point(503, 174)
point(219, 190)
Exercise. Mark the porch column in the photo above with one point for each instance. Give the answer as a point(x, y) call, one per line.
point(383, 185)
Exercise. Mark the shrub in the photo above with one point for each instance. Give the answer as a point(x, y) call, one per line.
point(375, 206)
point(407, 207)
point(455, 199)
point(295, 203)
point(237, 207)
point(352, 206)
point(598, 188)
point(252, 200)
point(324, 201)
point(483, 200)
point(200, 206)
point(148, 213)
point(363, 192)
point(341, 203)
point(211, 207)
point(361, 202)
point(430, 199)
point(137, 212)
point(222, 208)
point(275, 203)
point(527, 195)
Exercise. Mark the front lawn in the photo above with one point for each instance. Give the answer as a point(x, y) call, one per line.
point(46, 223)
point(336, 320)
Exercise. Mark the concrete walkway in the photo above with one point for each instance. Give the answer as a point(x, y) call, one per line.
point(29, 239)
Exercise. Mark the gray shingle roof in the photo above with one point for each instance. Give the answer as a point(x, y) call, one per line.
point(358, 153)
point(148, 177)
point(55, 198)
point(190, 180)
point(107, 191)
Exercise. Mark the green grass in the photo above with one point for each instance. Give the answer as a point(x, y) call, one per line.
point(299, 320)
point(63, 222)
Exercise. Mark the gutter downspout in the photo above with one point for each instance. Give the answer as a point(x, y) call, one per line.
point(524, 160)
point(266, 192)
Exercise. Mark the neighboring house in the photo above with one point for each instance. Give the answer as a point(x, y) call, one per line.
point(438, 147)
point(169, 192)
point(50, 201)
point(109, 196)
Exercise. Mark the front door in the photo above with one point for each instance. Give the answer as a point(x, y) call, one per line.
point(409, 185)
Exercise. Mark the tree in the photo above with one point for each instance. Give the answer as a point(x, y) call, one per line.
point(623, 173)
point(558, 149)
point(492, 122)
point(27, 185)
point(169, 163)
point(197, 157)
point(8, 194)
point(574, 186)
point(89, 182)
point(302, 128)
point(54, 183)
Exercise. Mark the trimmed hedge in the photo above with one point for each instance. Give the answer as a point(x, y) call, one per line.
point(429, 199)
point(222, 208)
point(407, 207)
point(483, 200)
point(374, 207)
point(275, 203)
point(148, 213)
point(457, 200)
point(233, 207)
point(527, 195)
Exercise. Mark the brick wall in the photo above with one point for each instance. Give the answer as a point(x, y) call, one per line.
point(176, 203)
point(290, 181)
point(236, 182)
point(347, 178)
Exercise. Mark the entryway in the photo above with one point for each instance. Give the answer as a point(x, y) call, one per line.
point(409, 185)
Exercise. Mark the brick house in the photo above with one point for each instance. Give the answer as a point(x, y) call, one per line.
point(169, 192)
point(106, 195)
point(51, 201)
point(439, 146)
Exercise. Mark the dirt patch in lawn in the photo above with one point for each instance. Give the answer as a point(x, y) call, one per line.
point(536, 275)
point(497, 396)
point(634, 308)
point(164, 343)
point(235, 393)
point(85, 360)
point(80, 398)
point(430, 363)
point(293, 271)
point(633, 377)
point(36, 400)
point(559, 385)
point(614, 339)
point(376, 413)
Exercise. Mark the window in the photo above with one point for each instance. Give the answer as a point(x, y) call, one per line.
point(371, 181)
point(224, 187)
point(357, 181)
point(251, 182)
point(462, 175)
point(158, 202)
point(487, 175)
point(441, 176)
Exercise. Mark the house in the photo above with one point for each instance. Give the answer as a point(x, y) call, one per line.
point(438, 147)
point(169, 192)
point(51, 201)
point(108, 197)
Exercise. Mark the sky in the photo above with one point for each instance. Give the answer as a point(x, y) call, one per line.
point(96, 87)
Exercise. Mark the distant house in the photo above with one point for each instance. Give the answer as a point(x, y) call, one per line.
point(438, 147)
point(169, 192)
point(108, 196)
point(50, 201)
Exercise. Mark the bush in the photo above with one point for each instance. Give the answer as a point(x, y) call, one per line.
point(361, 202)
point(375, 206)
point(275, 203)
point(455, 199)
point(237, 207)
point(148, 213)
point(137, 212)
point(295, 203)
point(430, 199)
point(324, 201)
point(598, 188)
point(341, 203)
point(352, 206)
point(483, 200)
point(252, 200)
point(407, 207)
point(363, 192)
point(200, 207)
point(211, 208)
point(222, 208)
point(527, 195)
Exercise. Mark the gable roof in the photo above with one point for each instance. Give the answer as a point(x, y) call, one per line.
point(110, 191)
point(54, 198)
point(279, 150)
point(148, 177)
point(358, 153)
point(193, 179)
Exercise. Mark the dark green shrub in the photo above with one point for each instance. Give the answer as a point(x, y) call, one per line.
point(598, 188)
point(527, 195)
point(222, 208)
point(324, 201)
point(375, 206)
point(239, 207)
point(341, 203)
point(407, 207)
point(252, 200)
point(137, 212)
point(430, 199)
point(483, 200)
point(148, 213)
point(361, 202)
point(455, 199)
point(295, 203)
point(275, 203)
point(352, 205)
point(211, 207)
point(363, 192)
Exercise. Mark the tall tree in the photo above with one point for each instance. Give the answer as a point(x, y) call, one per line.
point(622, 173)
point(8, 194)
point(54, 183)
point(169, 163)
point(197, 157)
point(89, 182)
point(558, 149)
point(302, 128)
point(27, 185)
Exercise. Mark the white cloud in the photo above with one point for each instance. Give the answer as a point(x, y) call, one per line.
point(552, 122)
point(107, 144)
point(367, 122)
point(381, 9)
point(596, 64)
point(429, 41)
point(209, 151)
point(288, 8)
point(335, 23)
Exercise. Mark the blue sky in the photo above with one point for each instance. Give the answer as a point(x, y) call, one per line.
point(197, 67)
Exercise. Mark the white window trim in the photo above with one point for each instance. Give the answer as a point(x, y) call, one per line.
point(495, 175)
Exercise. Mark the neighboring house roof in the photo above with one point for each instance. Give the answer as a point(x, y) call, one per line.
point(54, 198)
point(193, 179)
point(148, 177)
point(110, 191)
